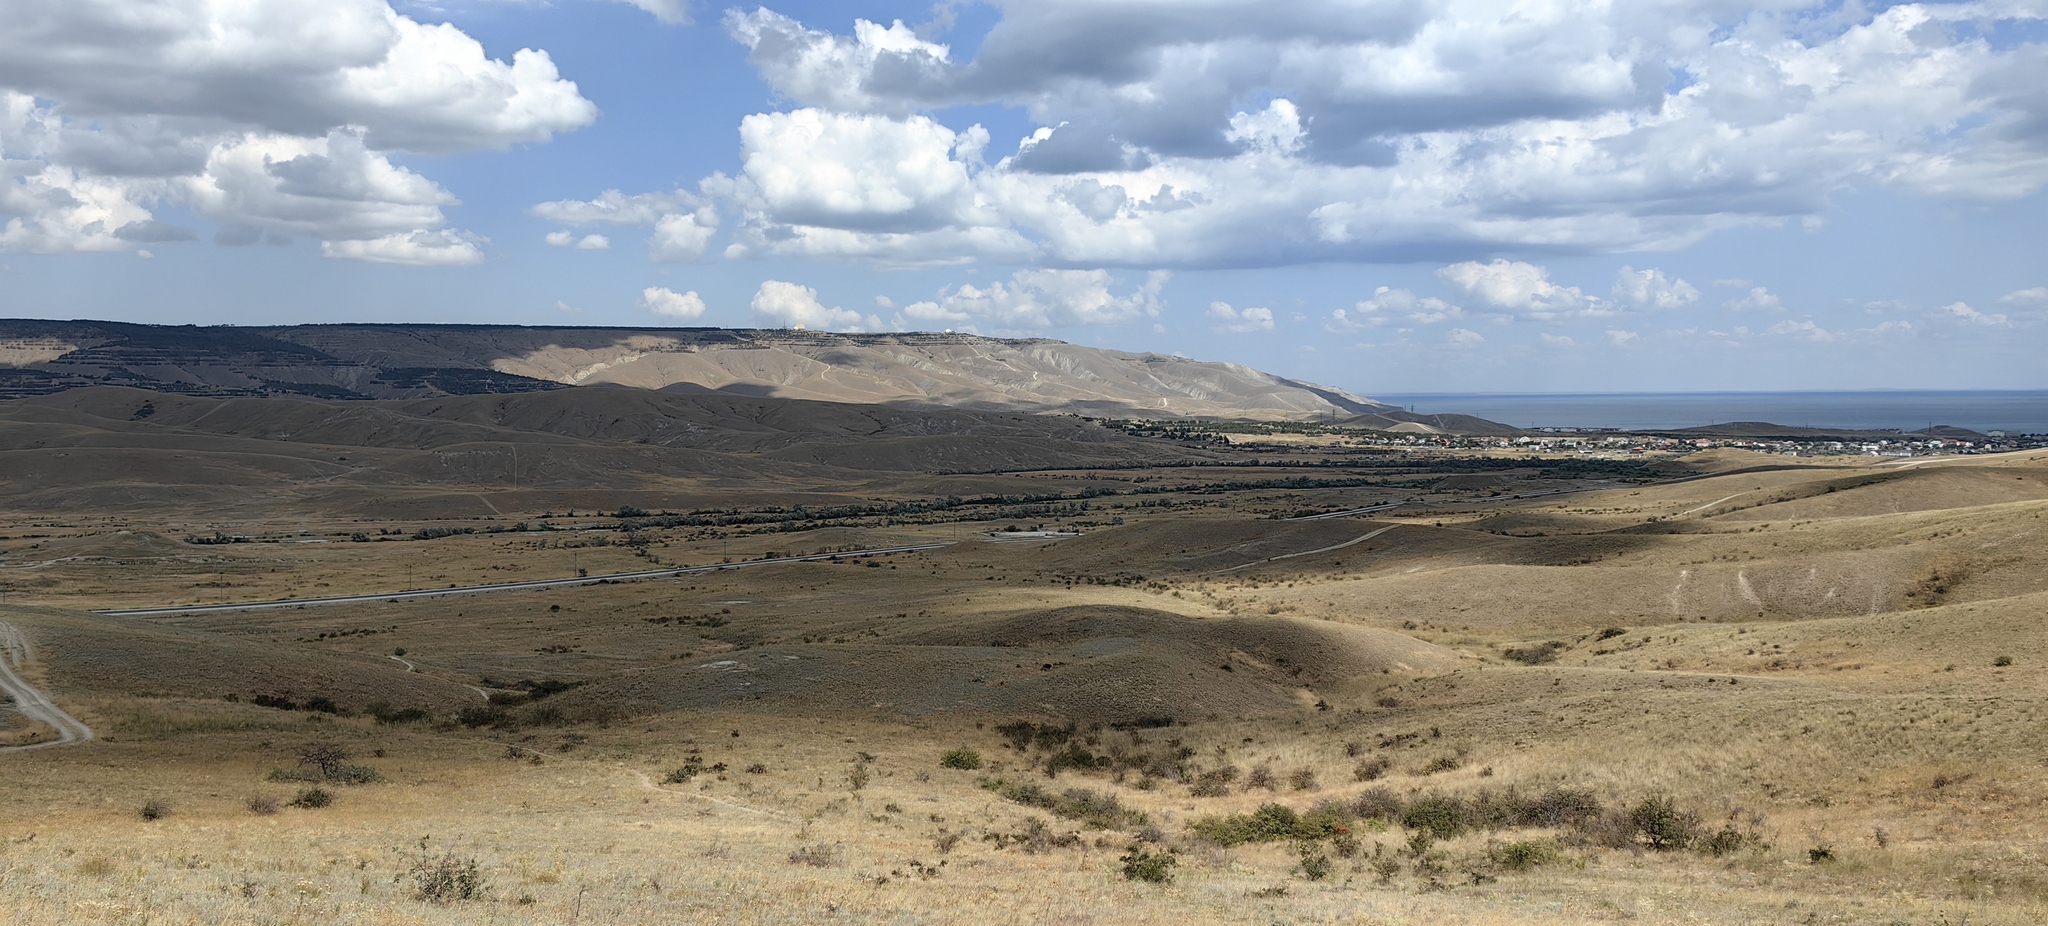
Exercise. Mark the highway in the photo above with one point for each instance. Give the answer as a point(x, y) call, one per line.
point(534, 585)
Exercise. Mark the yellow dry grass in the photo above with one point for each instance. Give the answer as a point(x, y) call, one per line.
point(1829, 670)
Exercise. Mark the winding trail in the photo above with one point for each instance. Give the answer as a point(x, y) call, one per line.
point(16, 651)
point(1339, 546)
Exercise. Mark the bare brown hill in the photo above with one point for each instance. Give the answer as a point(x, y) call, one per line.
point(409, 361)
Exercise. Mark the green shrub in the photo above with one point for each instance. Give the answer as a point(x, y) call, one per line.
point(691, 768)
point(1535, 655)
point(1315, 866)
point(1725, 840)
point(964, 759)
point(313, 798)
point(1441, 816)
point(447, 879)
point(1516, 856)
point(1661, 825)
point(1142, 864)
point(355, 775)
point(1377, 804)
point(1269, 823)
point(1213, 783)
point(1101, 811)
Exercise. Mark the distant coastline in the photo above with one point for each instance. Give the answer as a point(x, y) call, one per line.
point(2014, 411)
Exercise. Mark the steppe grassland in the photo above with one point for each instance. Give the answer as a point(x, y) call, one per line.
point(591, 834)
point(1850, 733)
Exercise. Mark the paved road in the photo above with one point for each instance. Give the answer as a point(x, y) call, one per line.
point(512, 586)
point(33, 704)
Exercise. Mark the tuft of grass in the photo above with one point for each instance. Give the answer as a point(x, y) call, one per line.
point(155, 809)
point(820, 855)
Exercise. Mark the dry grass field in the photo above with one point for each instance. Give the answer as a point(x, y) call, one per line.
point(1770, 693)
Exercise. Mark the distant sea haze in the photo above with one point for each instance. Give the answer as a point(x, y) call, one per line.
point(1906, 410)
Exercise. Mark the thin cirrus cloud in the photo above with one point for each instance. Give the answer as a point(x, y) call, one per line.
point(273, 115)
point(1392, 131)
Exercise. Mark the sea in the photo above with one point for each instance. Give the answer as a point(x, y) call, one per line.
point(2015, 412)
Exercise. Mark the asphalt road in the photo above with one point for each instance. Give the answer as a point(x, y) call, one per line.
point(511, 586)
point(33, 704)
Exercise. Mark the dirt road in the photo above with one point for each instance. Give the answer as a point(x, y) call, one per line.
point(15, 651)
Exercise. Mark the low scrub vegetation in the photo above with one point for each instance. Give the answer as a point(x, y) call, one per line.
point(1097, 810)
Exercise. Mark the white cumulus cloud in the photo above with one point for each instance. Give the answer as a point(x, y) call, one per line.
point(1758, 299)
point(275, 118)
point(1038, 299)
point(1651, 289)
point(1961, 311)
point(1807, 330)
point(682, 237)
point(670, 12)
point(1519, 288)
point(667, 302)
point(418, 249)
point(2037, 296)
point(1226, 320)
point(789, 305)
point(1390, 304)
point(1463, 125)
point(569, 239)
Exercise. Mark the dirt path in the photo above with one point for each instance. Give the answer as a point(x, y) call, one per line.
point(1270, 559)
point(16, 651)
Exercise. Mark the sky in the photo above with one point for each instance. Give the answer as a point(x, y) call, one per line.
point(1390, 197)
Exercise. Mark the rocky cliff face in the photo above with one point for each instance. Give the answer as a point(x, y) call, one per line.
point(415, 361)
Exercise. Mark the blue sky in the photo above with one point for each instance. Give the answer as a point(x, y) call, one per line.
point(1405, 196)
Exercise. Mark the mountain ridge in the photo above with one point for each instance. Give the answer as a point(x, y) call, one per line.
point(406, 361)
